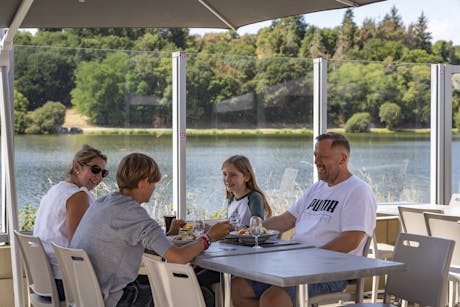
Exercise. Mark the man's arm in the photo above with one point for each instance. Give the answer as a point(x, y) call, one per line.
point(281, 222)
point(346, 241)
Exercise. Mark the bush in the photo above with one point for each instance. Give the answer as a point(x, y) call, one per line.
point(27, 217)
point(457, 120)
point(359, 122)
point(46, 118)
point(21, 119)
point(390, 114)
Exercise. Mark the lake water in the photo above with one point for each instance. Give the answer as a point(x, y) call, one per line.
point(397, 168)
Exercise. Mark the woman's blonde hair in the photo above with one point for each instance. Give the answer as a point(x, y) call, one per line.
point(243, 165)
point(85, 155)
point(135, 167)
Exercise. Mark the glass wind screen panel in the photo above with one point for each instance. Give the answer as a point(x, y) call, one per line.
point(2, 209)
point(121, 101)
point(259, 108)
point(456, 133)
point(384, 108)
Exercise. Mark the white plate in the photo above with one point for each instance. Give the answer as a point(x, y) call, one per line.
point(180, 242)
point(248, 239)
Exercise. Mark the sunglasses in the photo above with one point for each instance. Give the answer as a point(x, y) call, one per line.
point(96, 169)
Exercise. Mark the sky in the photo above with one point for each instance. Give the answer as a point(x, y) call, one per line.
point(442, 15)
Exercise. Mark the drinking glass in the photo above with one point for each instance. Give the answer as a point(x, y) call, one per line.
point(198, 223)
point(255, 229)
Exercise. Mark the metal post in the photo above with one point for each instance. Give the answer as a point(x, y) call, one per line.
point(9, 199)
point(441, 134)
point(179, 133)
point(319, 101)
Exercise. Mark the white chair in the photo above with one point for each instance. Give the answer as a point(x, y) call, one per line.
point(168, 279)
point(454, 200)
point(424, 281)
point(353, 292)
point(42, 287)
point(448, 227)
point(412, 220)
point(80, 282)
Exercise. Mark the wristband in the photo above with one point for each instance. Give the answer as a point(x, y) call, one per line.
point(206, 241)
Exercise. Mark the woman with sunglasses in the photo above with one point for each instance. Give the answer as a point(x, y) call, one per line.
point(63, 206)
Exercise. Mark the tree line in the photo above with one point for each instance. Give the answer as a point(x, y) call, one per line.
point(378, 75)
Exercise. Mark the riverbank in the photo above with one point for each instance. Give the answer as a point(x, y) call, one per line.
point(244, 132)
point(75, 119)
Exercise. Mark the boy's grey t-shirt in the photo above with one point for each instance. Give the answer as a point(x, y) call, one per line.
point(114, 232)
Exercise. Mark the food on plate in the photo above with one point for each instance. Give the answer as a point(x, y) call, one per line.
point(187, 226)
point(246, 232)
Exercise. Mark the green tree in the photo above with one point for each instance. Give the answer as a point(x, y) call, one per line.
point(391, 28)
point(100, 90)
point(45, 119)
point(421, 36)
point(282, 38)
point(359, 122)
point(367, 31)
point(21, 119)
point(44, 74)
point(447, 52)
point(390, 114)
point(348, 31)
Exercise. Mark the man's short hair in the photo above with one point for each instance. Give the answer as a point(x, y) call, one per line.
point(134, 168)
point(337, 140)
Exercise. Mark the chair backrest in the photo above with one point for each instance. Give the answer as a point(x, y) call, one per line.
point(447, 227)
point(367, 246)
point(427, 262)
point(80, 282)
point(169, 279)
point(43, 291)
point(455, 200)
point(412, 219)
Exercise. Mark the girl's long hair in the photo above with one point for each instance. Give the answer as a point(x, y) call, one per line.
point(243, 165)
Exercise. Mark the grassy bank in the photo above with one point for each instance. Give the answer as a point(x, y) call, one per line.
point(242, 132)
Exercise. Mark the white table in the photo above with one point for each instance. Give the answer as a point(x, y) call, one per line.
point(295, 267)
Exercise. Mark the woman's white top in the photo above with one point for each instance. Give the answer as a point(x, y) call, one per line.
point(50, 220)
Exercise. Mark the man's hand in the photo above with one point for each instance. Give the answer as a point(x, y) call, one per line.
point(176, 225)
point(219, 230)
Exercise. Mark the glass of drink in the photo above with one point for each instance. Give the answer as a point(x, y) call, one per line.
point(255, 229)
point(168, 220)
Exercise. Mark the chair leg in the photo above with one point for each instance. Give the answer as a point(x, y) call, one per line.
point(375, 288)
point(452, 293)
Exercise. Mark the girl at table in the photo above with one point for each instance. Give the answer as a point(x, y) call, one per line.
point(245, 198)
point(65, 203)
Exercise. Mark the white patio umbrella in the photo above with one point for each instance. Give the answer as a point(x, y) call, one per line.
point(15, 14)
point(159, 13)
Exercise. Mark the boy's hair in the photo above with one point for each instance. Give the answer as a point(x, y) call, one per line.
point(243, 165)
point(338, 140)
point(85, 155)
point(135, 167)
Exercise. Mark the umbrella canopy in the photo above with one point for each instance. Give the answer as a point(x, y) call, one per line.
point(158, 13)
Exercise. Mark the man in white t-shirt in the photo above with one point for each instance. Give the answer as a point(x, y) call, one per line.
point(337, 213)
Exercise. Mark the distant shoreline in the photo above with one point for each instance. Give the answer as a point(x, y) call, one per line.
point(242, 132)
